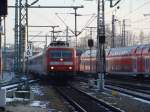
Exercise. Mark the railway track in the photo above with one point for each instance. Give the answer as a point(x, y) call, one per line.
point(130, 86)
point(84, 102)
point(138, 90)
point(139, 80)
point(133, 85)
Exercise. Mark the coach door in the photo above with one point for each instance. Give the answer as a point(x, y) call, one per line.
point(134, 65)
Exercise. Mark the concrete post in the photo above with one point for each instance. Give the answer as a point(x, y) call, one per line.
point(2, 97)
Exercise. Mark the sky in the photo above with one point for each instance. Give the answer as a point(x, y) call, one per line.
point(131, 10)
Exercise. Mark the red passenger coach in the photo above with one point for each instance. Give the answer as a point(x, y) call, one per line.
point(131, 61)
point(146, 60)
point(124, 61)
point(58, 60)
point(120, 61)
point(88, 62)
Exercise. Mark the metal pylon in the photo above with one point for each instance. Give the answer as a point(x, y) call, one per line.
point(101, 43)
point(16, 38)
point(21, 23)
point(101, 22)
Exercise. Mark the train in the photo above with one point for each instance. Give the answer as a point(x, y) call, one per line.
point(124, 61)
point(57, 60)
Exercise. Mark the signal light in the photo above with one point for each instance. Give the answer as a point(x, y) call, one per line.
point(90, 42)
point(3, 7)
point(101, 39)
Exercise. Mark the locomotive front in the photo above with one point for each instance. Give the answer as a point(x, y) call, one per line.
point(61, 61)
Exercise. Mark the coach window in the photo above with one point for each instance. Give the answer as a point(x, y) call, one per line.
point(119, 67)
point(84, 66)
point(148, 63)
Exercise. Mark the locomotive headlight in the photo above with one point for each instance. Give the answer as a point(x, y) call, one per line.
point(70, 68)
point(61, 59)
point(52, 68)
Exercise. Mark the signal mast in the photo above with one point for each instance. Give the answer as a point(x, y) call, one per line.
point(101, 68)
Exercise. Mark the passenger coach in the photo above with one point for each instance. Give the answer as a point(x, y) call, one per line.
point(128, 61)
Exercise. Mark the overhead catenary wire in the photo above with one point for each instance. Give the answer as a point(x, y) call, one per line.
point(138, 8)
point(35, 36)
point(93, 17)
point(64, 22)
point(140, 20)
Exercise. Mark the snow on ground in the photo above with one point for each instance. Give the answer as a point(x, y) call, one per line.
point(144, 101)
point(45, 100)
point(37, 90)
point(41, 104)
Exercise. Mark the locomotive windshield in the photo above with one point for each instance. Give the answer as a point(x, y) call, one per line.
point(60, 54)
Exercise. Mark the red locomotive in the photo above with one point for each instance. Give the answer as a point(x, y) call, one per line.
point(131, 61)
point(58, 60)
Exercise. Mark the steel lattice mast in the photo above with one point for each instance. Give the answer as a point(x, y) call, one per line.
point(21, 23)
point(101, 67)
point(100, 43)
point(16, 38)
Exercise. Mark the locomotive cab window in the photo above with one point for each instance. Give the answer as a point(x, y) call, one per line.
point(66, 54)
point(60, 54)
point(55, 54)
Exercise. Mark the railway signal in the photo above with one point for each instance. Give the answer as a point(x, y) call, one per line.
point(90, 43)
point(3, 7)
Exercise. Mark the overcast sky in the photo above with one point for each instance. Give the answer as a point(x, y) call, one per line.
point(132, 10)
